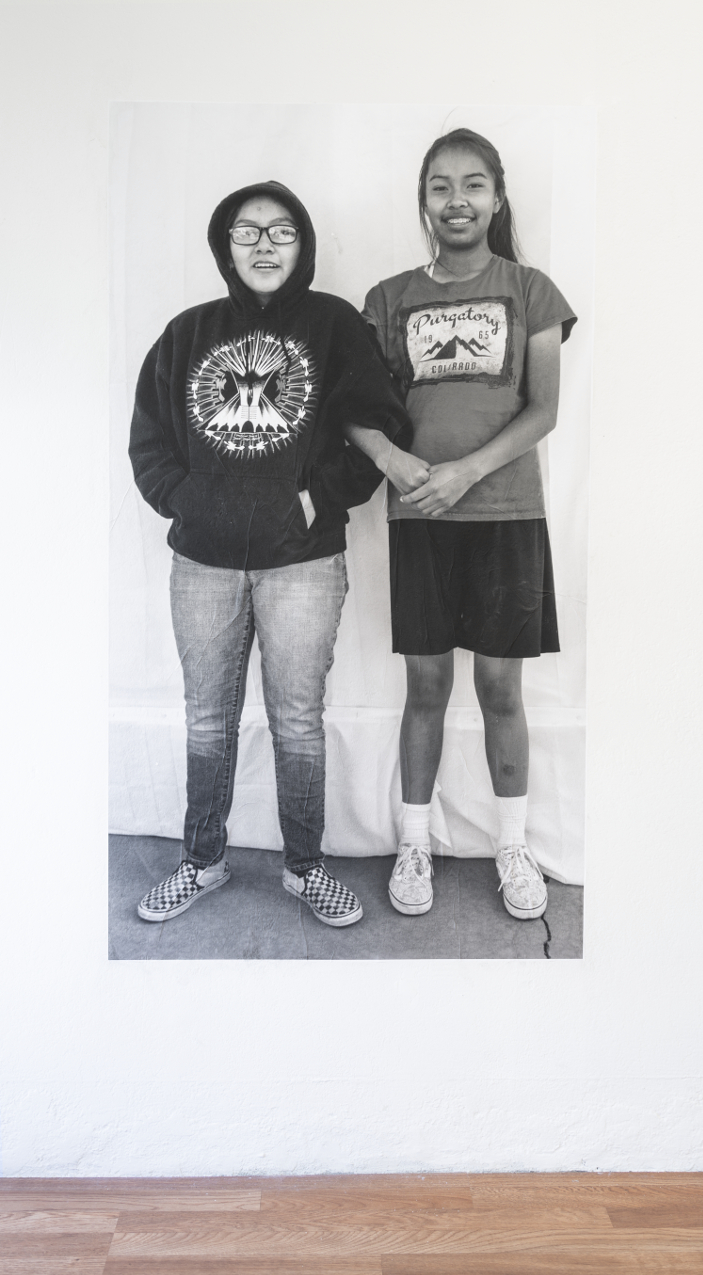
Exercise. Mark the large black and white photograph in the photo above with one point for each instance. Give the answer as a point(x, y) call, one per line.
point(350, 405)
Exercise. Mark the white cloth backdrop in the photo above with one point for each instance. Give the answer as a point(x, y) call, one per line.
point(355, 167)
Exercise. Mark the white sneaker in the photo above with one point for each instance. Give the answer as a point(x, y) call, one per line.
point(181, 889)
point(410, 886)
point(522, 883)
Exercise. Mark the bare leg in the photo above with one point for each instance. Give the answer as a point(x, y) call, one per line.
point(430, 681)
point(499, 688)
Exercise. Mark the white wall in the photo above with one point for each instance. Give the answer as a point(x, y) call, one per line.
point(592, 1064)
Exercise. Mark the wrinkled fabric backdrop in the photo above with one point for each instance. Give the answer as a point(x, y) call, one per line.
point(355, 168)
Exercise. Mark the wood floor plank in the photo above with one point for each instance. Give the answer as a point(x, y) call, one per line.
point(243, 1266)
point(58, 1221)
point(362, 1181)
point(604, 1197)
point(373, 1242)
point(354, 1234)
point(119, 1201)
point(161, 1185)
point(86, 1196)
point(563, 1261)
point(672, 1240)
point(614, 1190)
point(454, 1220)
point(319, 1202)
point(304, 1210)
point(51, 1266)
point(554, 1179)
point(683, 1215)
point(48, 1247)
point(667, 1263)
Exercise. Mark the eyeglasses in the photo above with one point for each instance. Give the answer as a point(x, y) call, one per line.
point(250, 235)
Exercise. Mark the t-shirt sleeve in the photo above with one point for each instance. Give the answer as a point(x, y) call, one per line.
point(381, 315)
point(545, 307)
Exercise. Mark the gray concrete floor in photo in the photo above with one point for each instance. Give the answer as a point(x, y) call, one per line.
point(253, 918)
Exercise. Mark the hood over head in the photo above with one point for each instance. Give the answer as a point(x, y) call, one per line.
point(243, 300)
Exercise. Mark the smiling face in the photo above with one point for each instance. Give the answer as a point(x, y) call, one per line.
point(461, 199)
point(265, 266)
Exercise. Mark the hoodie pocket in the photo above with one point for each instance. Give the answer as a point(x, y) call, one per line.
point(178, 500)
point(249, 519)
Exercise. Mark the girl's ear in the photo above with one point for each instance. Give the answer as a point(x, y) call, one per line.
point(497, 204)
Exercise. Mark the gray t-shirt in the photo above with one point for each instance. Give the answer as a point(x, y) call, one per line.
point(460, 349)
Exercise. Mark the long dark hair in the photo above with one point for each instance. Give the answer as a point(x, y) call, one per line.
point(502, 236)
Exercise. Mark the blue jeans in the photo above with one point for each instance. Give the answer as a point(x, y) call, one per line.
point(295, 612)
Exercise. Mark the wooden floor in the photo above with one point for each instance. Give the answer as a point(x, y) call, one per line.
point(544, 1224)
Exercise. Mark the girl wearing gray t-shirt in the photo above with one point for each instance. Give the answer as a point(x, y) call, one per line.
point(474, 340)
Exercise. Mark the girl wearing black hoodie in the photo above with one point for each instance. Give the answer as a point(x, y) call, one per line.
point(237, 438)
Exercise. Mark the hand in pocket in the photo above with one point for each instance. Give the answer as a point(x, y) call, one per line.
point(308, 507)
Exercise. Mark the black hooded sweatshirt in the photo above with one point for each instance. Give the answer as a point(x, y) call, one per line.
point(239, 408)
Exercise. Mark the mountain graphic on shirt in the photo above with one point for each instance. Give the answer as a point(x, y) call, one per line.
point(449, 351)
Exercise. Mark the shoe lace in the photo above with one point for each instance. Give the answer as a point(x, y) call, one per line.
point(413, 862)
point(519, 867)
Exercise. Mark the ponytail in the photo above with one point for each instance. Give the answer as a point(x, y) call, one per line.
point(502, 237)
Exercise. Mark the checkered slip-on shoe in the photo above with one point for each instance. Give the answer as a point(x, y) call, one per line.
point(183, 887)
point(522, 883)
point(329, 900)
point(410, 886)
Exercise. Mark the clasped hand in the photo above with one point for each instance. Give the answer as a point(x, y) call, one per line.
point(406, 472)
point(440, 487)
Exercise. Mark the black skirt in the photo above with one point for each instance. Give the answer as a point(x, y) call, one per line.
point(486, 587)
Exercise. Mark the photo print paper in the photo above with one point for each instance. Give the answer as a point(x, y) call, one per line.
point(271, 721)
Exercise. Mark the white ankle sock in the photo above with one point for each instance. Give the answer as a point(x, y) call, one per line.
point(212, 871)
point(512, 812)
point(415, 825)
